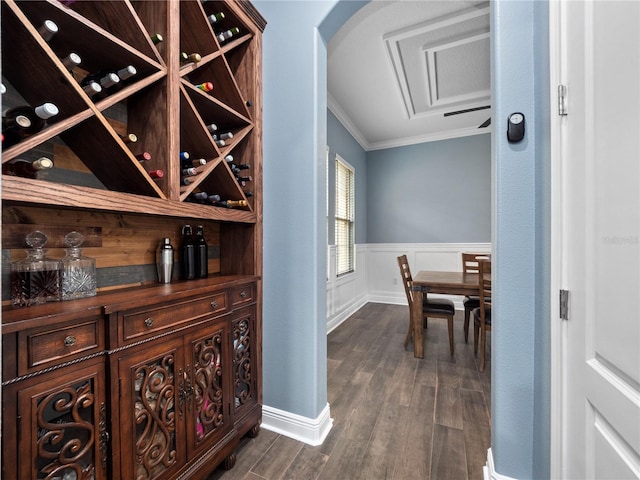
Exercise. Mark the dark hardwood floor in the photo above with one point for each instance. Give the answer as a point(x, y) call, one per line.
point(394, 416)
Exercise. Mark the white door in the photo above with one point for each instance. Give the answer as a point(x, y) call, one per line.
point(599, 218)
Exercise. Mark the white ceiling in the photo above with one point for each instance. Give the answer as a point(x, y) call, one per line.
point(397, 70)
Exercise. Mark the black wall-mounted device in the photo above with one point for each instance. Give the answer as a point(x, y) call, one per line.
point(515, 127)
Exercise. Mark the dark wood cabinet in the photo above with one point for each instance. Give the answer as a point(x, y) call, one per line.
point(171, 402)
point(57, 424)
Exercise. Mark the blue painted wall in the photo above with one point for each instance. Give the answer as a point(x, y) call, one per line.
point(294, 116)
point(342, 143)
point(520, 336)
point(430, 192)
point(295, 130)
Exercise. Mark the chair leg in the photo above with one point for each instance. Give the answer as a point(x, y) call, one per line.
point(451, 346)
point(476, 329)
point(483, 341)
point(409, 335)
point(467, 314)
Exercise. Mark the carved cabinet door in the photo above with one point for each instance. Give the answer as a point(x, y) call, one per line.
point(208, 386)
point(151, 399)
point(60, 425)
point(244, 361)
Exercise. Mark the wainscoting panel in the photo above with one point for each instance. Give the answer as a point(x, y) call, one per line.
point(377, 276)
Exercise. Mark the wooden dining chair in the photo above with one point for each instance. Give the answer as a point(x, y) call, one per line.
point(482, 314)
point(431, 307)
point(470, 265)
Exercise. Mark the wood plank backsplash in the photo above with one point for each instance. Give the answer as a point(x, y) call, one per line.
point(123, 244)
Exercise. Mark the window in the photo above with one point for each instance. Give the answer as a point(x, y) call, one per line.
point(345, 216)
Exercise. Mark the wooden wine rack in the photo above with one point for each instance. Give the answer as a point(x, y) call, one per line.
point(160, 104)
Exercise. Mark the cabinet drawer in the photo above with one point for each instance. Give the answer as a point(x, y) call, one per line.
point(243, 294)
point(151, 321)
point(59, 344)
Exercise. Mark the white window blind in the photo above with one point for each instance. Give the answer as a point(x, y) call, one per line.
point(345, 213)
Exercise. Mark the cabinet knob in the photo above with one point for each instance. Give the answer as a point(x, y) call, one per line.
point(243, 294)
point(214, 304)
point(149, 322)
point(69, 341)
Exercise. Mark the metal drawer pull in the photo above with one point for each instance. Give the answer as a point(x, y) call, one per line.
point(243, 294)
point(214, 304)
point(69, 341)
point(149, 322)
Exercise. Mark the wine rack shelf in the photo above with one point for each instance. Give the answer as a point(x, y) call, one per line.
point(161, 104)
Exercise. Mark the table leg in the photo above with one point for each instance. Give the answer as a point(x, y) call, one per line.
point(416, 321)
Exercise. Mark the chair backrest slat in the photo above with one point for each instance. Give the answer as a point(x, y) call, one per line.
point(407, 280)
point(470, 261)
point(484, 280)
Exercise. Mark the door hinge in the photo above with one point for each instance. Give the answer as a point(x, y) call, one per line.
point(562, 100)
point(564, 304)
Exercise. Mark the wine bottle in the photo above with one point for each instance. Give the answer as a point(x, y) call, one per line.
point(228, 158)
point(3, 89)
point(198, 196)
point(143, 157)
point(26, 168)
point(13, 129)
point(201, 254)
point(126, 72)
point(156, 173)
point(105, 79)
point(92, 88)
point(227, 34)
point(215, 18)
point(196, 162)
point(129, 138)
point(213, 198)
point(184, 156)
point(248, 194)
point(237, 203)
point(187, 254)
point(156, 38)
point(189, 172)
point(243, 166)
point(71, 61)
point(220, 143)
point(48, 29)
point(205, 86)
point(193, 57)
point(212, 127)
point(225, 136)
point(245, 179)
point(26, 120)
point(185, 181)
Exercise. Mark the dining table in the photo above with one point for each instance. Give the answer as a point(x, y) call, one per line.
point(428, 281)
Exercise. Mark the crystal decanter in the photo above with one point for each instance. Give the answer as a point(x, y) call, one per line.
point(36, 279)
point(78, 271)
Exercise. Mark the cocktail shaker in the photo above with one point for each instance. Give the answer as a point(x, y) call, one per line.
point(164, 261)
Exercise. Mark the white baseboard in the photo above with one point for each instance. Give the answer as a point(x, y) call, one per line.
point(311, 431)
point(339, 318)
point(489, 471)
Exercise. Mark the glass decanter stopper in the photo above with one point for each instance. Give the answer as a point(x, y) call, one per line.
point(78, 271)
point(37, 278)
